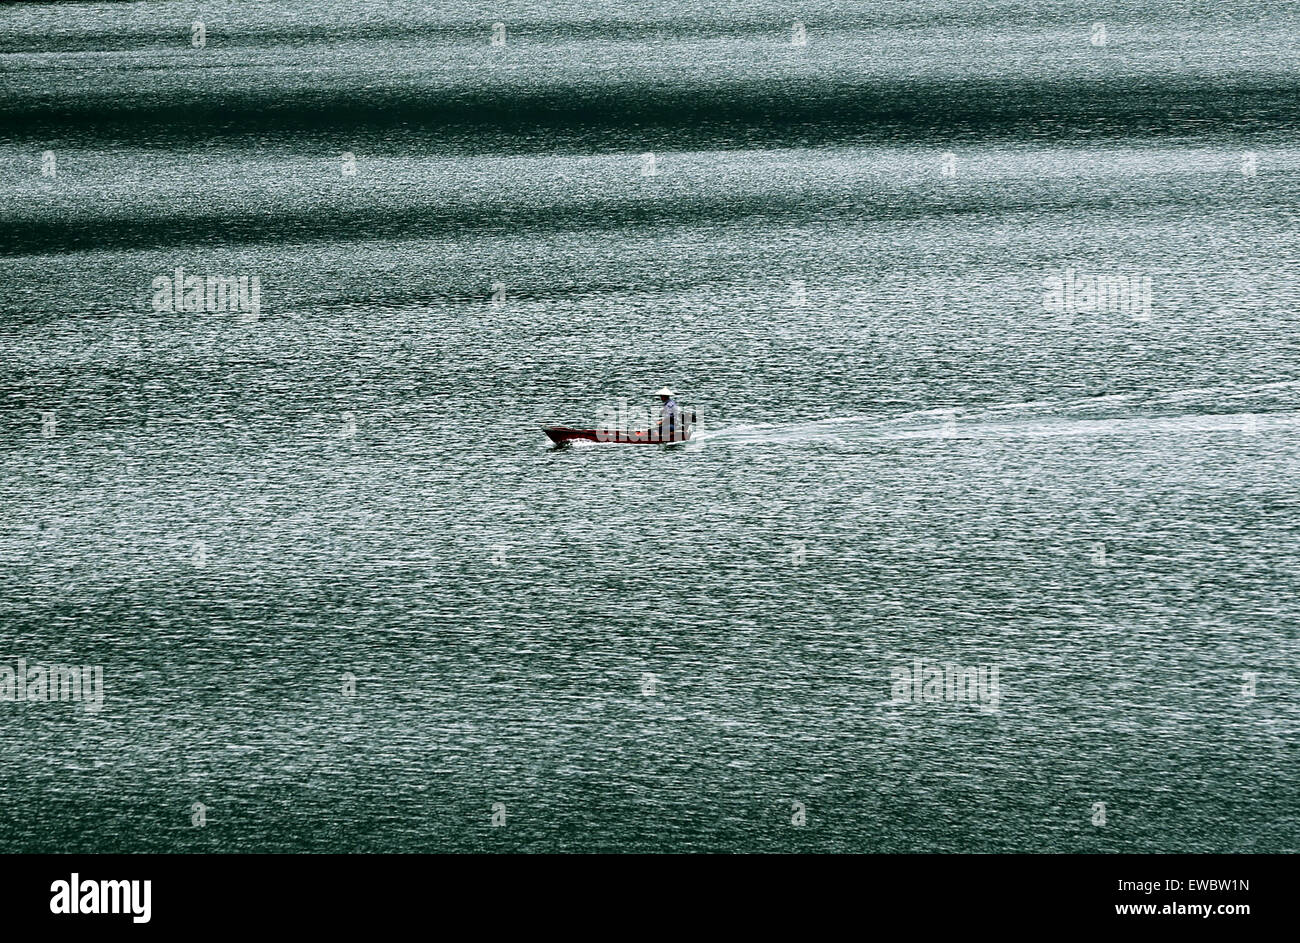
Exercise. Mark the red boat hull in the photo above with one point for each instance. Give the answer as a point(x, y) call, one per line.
point(638, 437)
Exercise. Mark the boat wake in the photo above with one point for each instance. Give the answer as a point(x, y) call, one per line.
point(1182, 412)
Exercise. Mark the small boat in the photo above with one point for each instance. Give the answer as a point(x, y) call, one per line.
point(562, 434)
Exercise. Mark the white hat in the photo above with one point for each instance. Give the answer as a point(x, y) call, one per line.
point(665, 392)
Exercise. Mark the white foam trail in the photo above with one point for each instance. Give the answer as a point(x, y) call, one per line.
point(1093, 428)
point(833, 430)
point(1044, 418)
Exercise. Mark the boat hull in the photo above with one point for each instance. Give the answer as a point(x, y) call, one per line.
point(561, 434)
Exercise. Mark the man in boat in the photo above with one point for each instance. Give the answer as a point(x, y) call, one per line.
point(670, 427)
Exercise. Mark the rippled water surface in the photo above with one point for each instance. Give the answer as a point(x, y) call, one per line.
point(840, 260)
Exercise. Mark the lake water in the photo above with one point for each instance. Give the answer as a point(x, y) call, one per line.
point(347, 597)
